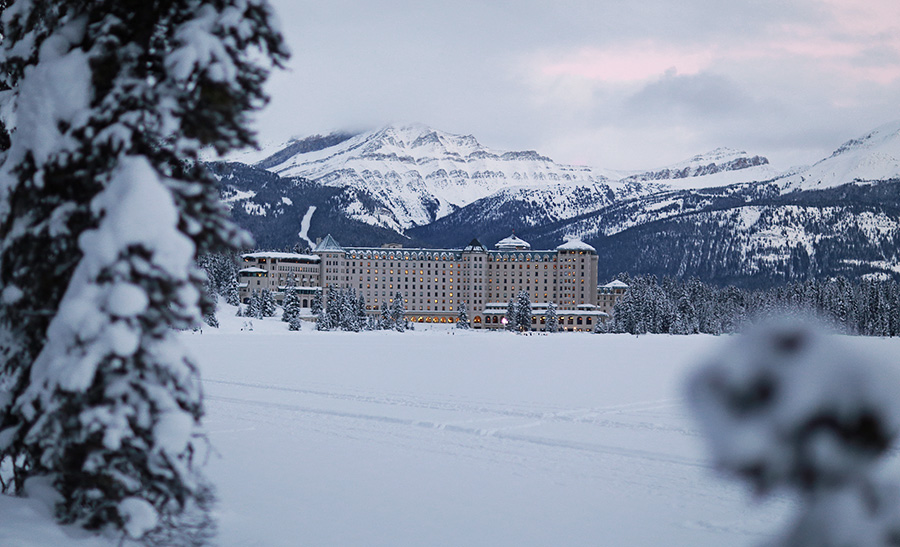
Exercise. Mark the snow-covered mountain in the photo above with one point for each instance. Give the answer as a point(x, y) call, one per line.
point(725, 216)
point(872, 157)
point(728, 217)
point(719, 167)
point(420, 174)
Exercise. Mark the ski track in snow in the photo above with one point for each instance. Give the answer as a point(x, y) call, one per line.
point(531, 418)
point(304, 226)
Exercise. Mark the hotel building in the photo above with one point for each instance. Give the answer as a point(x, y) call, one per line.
point(434, 282)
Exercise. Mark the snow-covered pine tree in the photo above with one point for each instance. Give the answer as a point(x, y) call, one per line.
point(385, 322)
point(291, 305)
point(787, 407)
point(316, 304)
point(397, 312)
point(323, 321)
point(295, 323)
point(209, 316)
point(254, 306)
point(105, 209)
point(232, 294)
point(347, 303)
point(511, 315)
point(523, 311)
point(551, 319)
point(462, 320)
point(267, 304)
point(357, 322)
point(361, 316)
point(219, 268)
point(333, 307)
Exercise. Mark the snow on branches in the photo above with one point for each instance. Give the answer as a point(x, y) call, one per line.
point(105, 209)
point(789, 407)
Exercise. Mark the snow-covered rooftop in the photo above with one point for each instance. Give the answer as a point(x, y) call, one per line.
point(616, 285)
point(252, 270)
point(273, 254)
point(512, 242)
point(576, 245)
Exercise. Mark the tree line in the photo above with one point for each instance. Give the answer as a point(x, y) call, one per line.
point(868, 307)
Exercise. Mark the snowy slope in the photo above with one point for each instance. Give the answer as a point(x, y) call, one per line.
point(421, 174)
point(874, 156)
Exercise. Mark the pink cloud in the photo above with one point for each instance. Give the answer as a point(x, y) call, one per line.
point(634, 62)
point(837, 44)
point(865, 17)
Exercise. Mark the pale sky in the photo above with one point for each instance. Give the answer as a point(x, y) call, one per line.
point(614, 84)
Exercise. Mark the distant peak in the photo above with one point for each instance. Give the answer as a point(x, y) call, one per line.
point(419, 133)
point(719, 154)
point(877, 136)
point(303, 146)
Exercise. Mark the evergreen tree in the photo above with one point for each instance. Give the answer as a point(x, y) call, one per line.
point(523, 312)
point(511, 315)
point(333, 307)
point(220, 269)
point(291, 305)
point(686, 320)
point(385, 323)
point(845, 496)
point(295, 323)
point(267, 304)
point(232, 294)
point(361, 316)
point(397, 311)
point(316, 304)
point(551, 320)
point(209, 317)
point(349, 317)
point(323, 321)
point(104, 211)
point(254, 306)
point(462, 321)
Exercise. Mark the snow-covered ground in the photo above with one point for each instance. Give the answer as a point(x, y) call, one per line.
point(444, 437)
point(451, 438)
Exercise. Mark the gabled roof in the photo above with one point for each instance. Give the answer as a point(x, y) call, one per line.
point(328, 244)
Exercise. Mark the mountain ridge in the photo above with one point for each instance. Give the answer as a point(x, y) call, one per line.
point(759, 224)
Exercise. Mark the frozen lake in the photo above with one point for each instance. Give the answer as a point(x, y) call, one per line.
point(454, 438)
